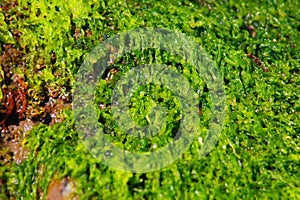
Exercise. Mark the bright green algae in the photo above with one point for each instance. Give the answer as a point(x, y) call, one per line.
point(258, 153)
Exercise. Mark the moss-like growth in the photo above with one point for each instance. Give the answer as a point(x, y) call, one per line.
point(255, 46)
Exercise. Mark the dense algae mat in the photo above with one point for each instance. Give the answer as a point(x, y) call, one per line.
point(256, 47)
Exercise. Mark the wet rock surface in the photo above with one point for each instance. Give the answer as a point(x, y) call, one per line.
point(62, 189)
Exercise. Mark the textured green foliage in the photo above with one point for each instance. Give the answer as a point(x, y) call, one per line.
point(5, 36)
point(146, 98)
point(258, 154)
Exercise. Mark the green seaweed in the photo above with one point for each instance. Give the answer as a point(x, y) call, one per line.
point(257, 155)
